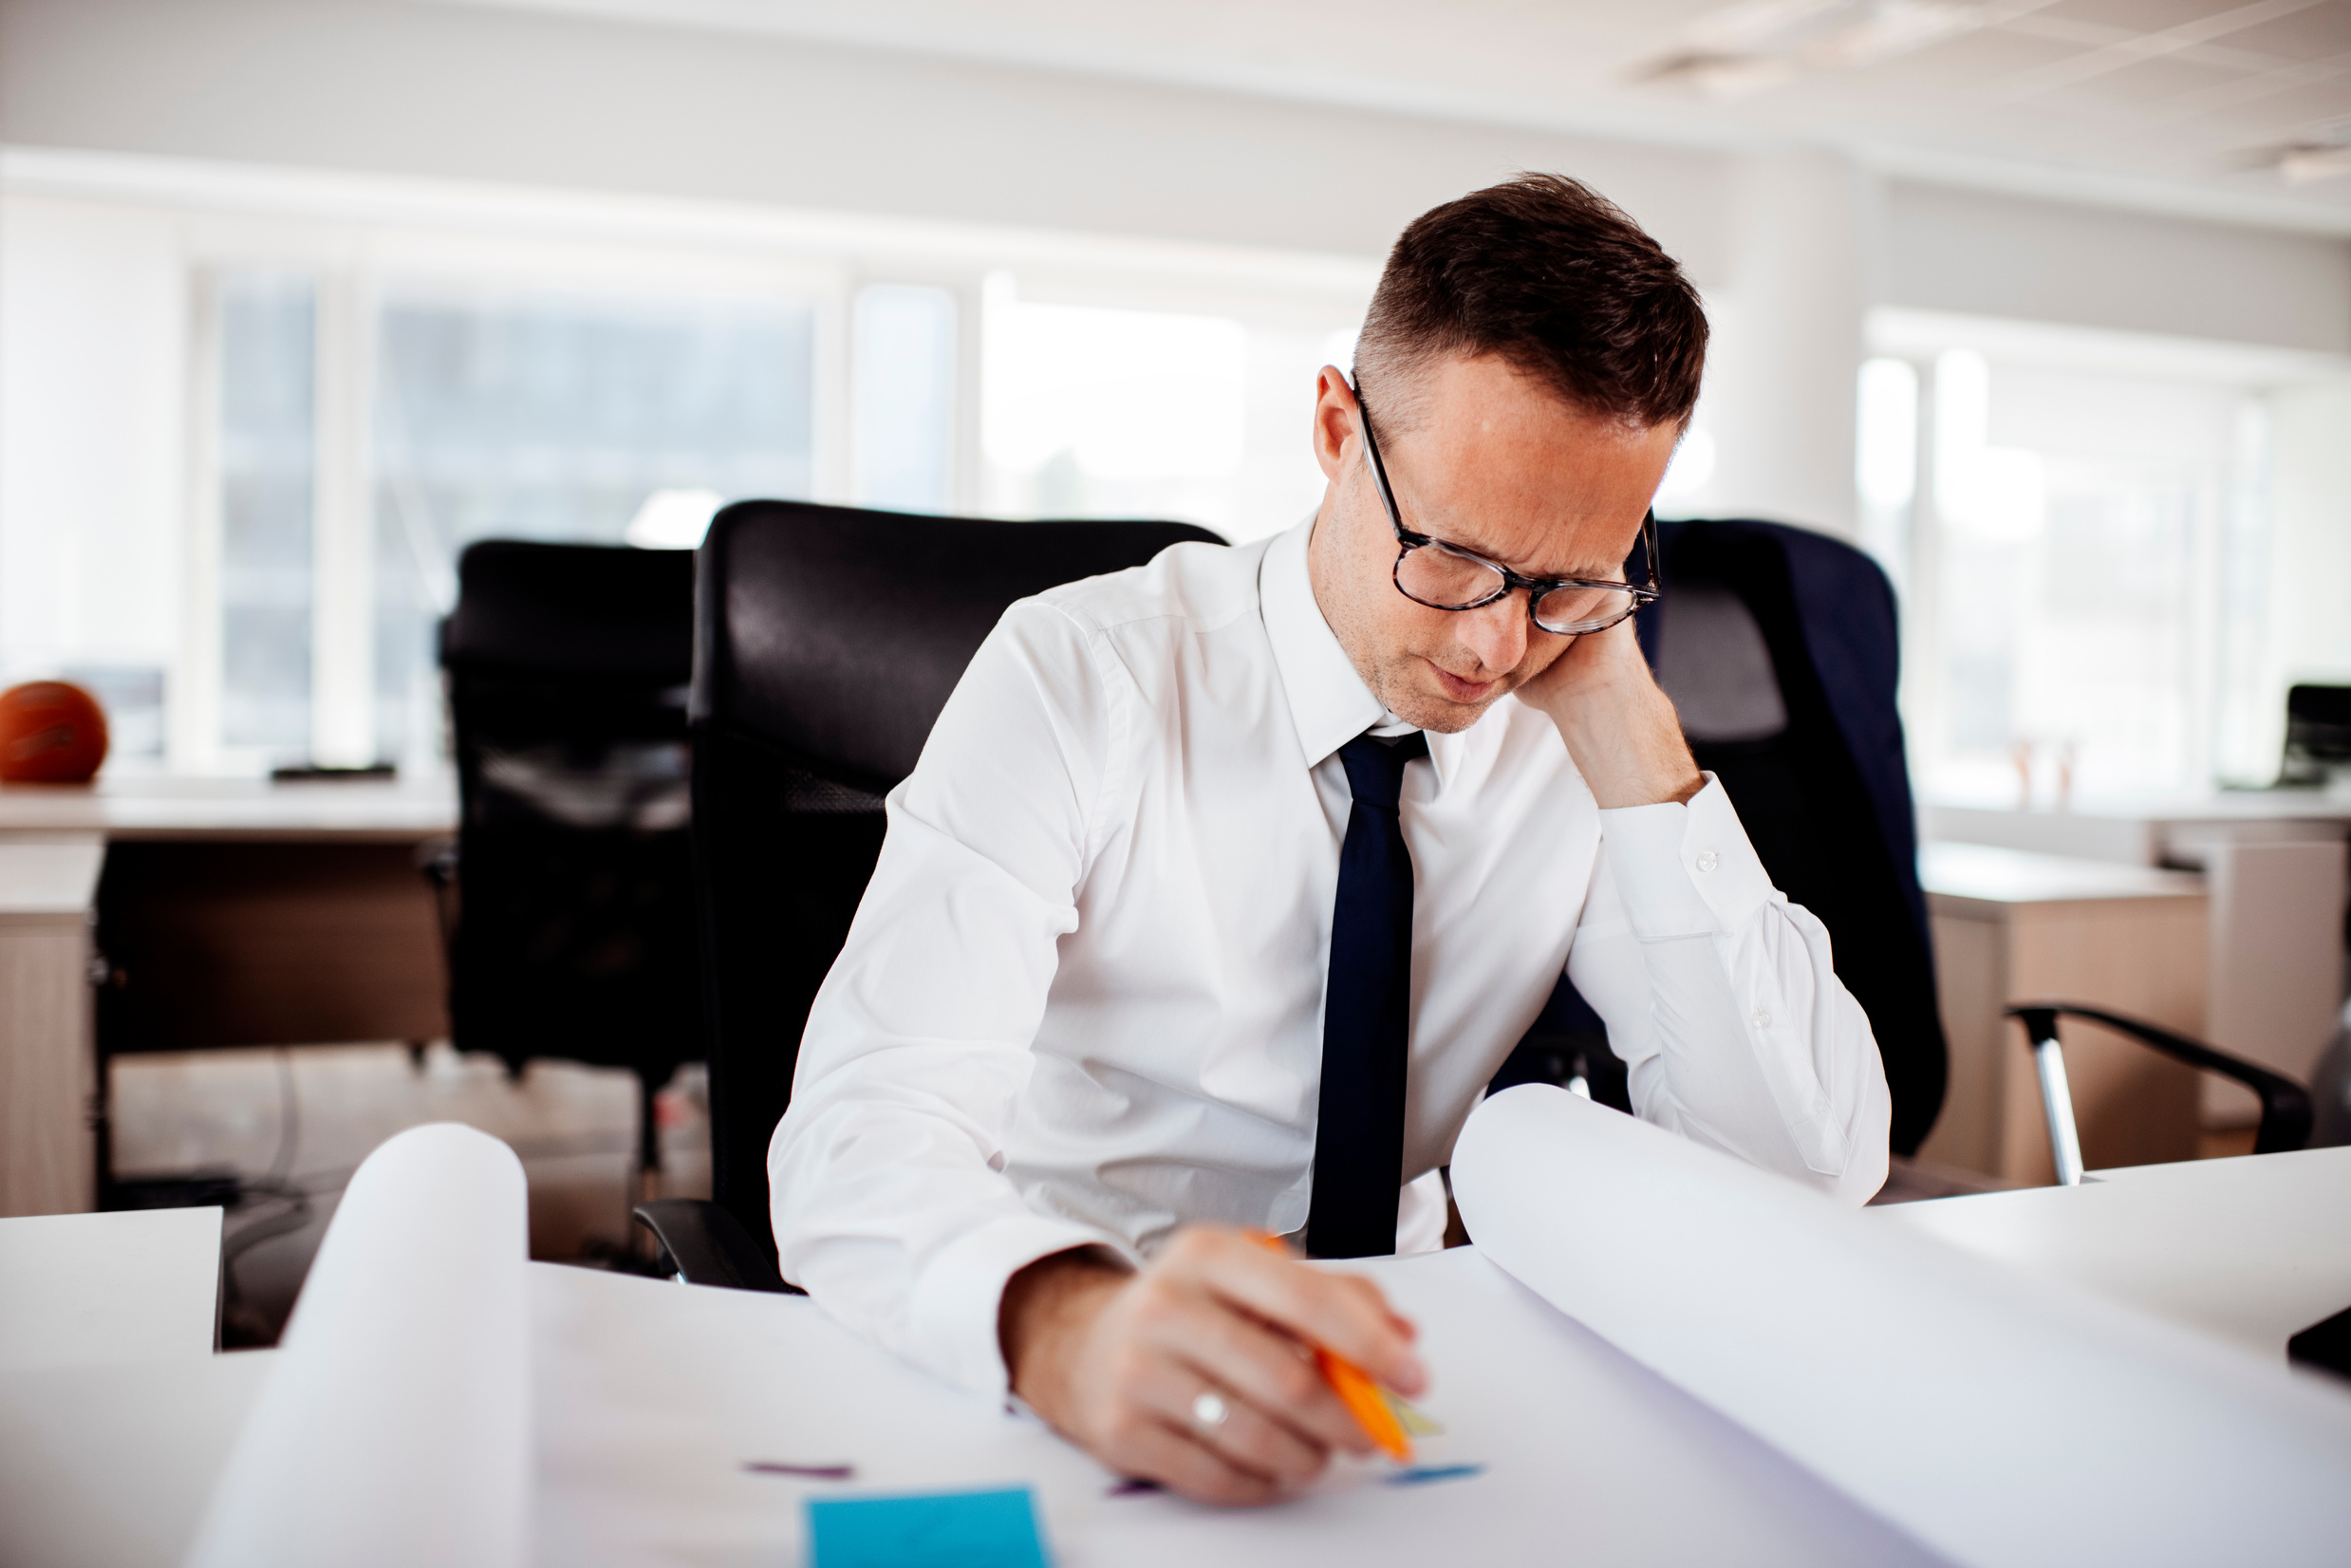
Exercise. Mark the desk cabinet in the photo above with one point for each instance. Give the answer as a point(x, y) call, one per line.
point(262, 943)
point(2010, 927)
point(48, 1072)
point(232, 912)
point(2275, 862)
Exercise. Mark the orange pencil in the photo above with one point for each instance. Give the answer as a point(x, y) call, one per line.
point(1356, 1390)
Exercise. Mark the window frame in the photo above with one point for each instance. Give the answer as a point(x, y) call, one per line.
point(354, 269)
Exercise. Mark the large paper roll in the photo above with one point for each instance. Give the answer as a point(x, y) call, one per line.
point(2000, 1419)
point(395, 1427)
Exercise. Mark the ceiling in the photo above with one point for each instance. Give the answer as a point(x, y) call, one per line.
point(2234, 109)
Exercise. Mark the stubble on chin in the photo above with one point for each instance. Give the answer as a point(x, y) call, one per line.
point(1405, 689)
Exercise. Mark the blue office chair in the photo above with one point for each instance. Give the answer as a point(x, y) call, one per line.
point(1779, 649)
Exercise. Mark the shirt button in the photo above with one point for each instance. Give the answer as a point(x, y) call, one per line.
point(1762, 1020)
point(1707, 860)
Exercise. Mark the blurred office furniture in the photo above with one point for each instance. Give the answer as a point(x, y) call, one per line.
point(239, 912)
point(573, 934)
point(87, 1289)
point(1779, 649)
point(826, 641)
point(48, 1158)
point(2330, 1089)
point(2274, 863)
point(2318, 736)
point(2284, 1123)
point(2014, 927)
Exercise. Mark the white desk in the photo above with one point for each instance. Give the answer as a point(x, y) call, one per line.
point(236, 912)
point(155, 806)
point(651, 1397)
point(2144, 829)
point(91, 1289)
point(2251, 1250)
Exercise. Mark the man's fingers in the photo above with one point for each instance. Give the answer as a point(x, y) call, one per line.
point(1342, 1313)
point(1257, 1439)
point(1159, 1452)
point(1236, 1351)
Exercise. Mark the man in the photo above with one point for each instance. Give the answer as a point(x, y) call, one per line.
point(1225, 883)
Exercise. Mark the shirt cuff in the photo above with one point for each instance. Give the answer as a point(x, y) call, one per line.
point(1685, 869)
point(956, 1303)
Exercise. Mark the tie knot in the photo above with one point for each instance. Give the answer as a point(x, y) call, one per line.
point(1375, 767)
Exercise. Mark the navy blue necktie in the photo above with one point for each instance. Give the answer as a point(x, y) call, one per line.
point(1367, 1015)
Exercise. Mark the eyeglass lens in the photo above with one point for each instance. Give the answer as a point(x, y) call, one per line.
point(1443, 580)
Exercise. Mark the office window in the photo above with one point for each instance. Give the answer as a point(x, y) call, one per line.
point(2094, 571)
point(267, 326)
point(562, 419)
point(902, 339)
point(1090, 411)
point(1886, 461)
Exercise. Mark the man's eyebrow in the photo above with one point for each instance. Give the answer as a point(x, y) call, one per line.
point(1588, 573)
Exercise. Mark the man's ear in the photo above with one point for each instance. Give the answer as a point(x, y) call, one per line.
point(1334, 421)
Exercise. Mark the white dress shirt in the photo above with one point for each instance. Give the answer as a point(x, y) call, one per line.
point(1082, 1001)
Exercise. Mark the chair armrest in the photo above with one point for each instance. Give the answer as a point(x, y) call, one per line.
point(709, 1247)
point(2285, 1111)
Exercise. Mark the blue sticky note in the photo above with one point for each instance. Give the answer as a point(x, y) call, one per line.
point(991, 1529)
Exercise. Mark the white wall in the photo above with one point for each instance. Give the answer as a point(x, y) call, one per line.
point(2310, 538)
point(460, 92)
point(1789, 335)
point(1979, 254)
point(93, 421)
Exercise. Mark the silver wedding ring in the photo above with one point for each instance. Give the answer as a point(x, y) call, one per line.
point(1209, 1410)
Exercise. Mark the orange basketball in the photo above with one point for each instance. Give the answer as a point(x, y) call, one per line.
point(50, 732)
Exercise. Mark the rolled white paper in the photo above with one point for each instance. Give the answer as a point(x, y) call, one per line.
point(2000, 1419)
point(395, 1427)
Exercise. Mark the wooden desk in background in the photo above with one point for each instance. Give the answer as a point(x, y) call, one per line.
point(229, 912)
point(2009, 928)
point(2278, 879)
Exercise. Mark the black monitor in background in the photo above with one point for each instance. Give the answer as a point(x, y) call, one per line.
point(2318, 734)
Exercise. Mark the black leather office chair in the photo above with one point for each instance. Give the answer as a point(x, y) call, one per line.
point(827, 640)
point(573, 933)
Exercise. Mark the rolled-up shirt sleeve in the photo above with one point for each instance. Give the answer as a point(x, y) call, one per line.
point(886, 1176)
point(1722, 1000)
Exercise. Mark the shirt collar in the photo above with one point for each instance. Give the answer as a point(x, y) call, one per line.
point(1329, 702)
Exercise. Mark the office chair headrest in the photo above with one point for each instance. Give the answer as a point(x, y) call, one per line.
point(837, 633)
point(545, 610)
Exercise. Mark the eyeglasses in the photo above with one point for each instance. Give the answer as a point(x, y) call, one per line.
point(1430, 571)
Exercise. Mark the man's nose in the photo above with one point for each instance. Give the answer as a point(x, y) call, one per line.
point(1496, 632)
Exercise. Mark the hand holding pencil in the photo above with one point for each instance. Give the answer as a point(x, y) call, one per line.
point(1372, 1406)
point(1189, 1373)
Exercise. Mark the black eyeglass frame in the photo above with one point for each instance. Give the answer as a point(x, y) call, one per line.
point(1536, 586)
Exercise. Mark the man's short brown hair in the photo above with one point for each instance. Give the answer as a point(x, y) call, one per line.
point(1554, 277)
